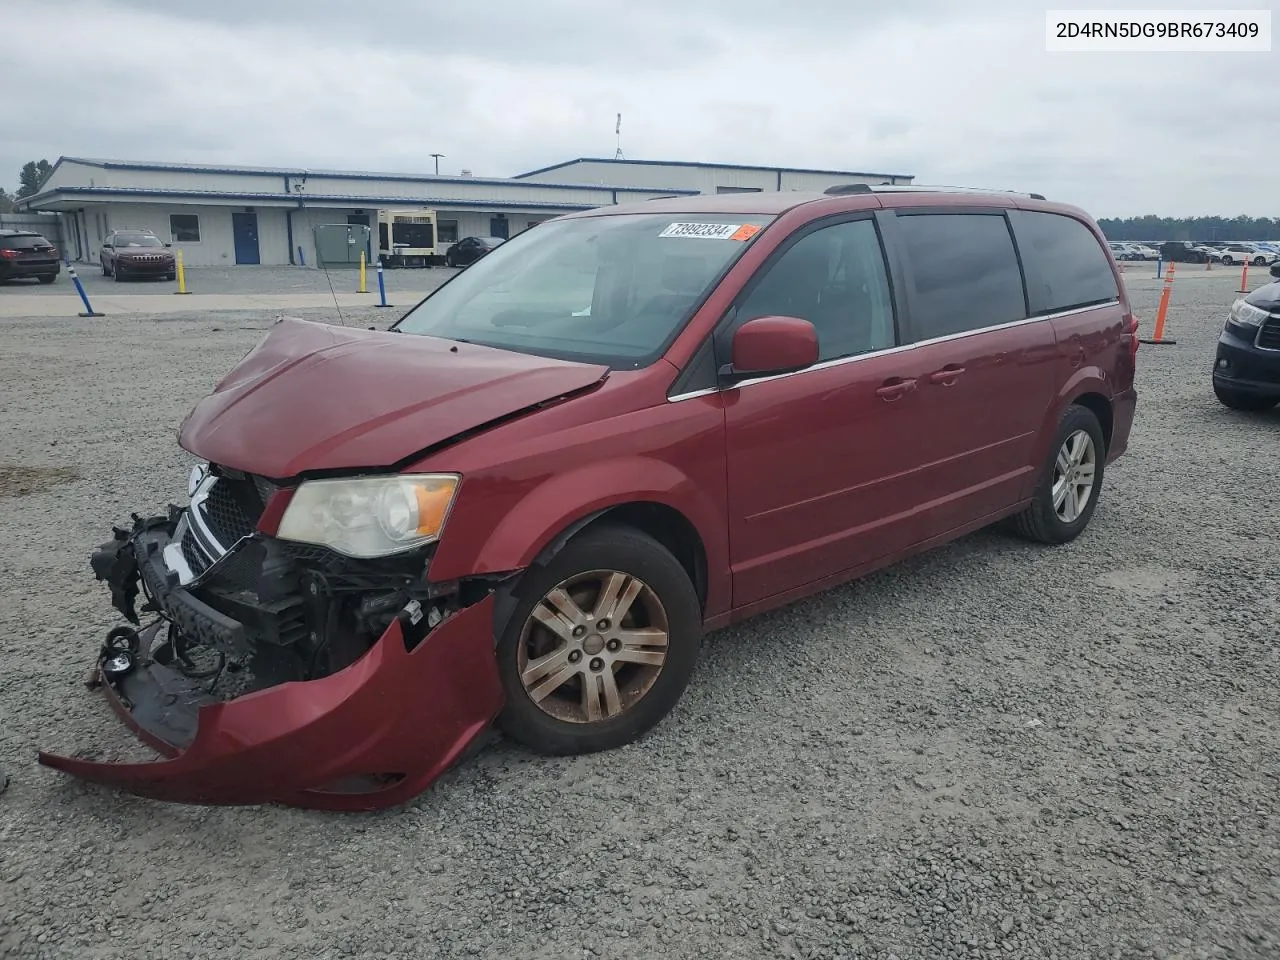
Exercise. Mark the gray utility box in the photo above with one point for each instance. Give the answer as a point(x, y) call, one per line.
point(340, 244)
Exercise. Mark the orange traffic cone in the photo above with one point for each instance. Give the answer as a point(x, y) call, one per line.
point(1162, 312)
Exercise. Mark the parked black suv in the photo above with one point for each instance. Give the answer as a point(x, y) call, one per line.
point(1246, 374)
point(1183, 251)
point(27, 254)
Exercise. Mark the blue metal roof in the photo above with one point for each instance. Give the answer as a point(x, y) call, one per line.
point(342, 174)
point(713, 166)
point(310, 199)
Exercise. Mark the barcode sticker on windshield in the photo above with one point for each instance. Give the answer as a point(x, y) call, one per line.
point(702, 231)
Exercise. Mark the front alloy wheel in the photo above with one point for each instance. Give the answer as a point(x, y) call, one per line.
point(593, 646)
point(600, 644)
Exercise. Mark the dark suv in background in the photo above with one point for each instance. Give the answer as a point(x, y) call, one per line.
point(1184, 251)
point(27, 254)
point(1246, 372)
point(137, 253)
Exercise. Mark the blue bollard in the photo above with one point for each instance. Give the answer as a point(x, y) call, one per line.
point(1159, 267)
point(89, 312)
point(302, 260)
point(382, 287)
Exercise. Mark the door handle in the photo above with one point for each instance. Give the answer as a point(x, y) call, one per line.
point(946, 375)
point(894, 388)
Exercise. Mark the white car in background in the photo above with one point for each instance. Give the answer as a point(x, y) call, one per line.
point(1236, 253)
point(1145, 252)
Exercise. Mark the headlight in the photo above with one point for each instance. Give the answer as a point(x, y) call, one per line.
point(1247, 315)
point(370, 516)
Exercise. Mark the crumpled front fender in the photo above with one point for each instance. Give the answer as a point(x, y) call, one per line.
point(372, 735)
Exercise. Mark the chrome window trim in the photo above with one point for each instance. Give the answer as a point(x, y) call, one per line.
point(840, 361)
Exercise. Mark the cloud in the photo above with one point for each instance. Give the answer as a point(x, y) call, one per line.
point(954, 93)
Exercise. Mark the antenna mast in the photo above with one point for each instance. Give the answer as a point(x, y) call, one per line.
point(618, 132)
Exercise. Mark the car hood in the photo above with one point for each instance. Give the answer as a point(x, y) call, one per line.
point(1268, 297)
point(312, 396)
point(137, 251)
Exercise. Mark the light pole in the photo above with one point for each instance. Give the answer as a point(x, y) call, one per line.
point(437, 157)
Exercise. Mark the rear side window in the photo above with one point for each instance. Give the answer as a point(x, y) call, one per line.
point(965, 271)
point(1066, 266)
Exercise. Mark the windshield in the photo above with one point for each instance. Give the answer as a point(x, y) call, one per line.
point(611, 289)
point(122, 241)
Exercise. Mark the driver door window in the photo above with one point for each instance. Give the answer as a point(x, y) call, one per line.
point(835, 278)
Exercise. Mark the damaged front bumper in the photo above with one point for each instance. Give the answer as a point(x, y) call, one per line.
point(372, 734)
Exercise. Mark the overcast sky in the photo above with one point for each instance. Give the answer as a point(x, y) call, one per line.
point(953, 92)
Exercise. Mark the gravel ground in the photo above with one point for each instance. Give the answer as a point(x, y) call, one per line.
point(997, 750)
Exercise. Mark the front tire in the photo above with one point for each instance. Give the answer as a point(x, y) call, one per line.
point(1070, 482)
point(1239, 400)
point(48, 279)
point(115, 272)
point(600, 645)
point(1259, 261)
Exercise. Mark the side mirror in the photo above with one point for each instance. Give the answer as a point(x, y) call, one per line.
point(769, 345)
point(168, 244)
point(106, 246)
point(1275, 269)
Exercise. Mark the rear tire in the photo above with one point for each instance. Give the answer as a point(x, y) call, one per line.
point(1259, 261)
point(1239, 400)
point(48, 279)
point(600, 684)
point(1078, 453)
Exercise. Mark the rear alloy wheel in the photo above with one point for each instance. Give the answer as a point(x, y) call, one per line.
point(601, 644)
point(1070, 483)
point(1259, 261)
point(1239, 400)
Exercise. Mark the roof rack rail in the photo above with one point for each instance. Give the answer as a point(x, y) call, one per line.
point(847, 189)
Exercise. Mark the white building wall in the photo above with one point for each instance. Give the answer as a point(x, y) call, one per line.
point(182, 180)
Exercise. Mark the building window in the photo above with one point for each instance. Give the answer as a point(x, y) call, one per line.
point(184, 227)
point(447, 231)
point(739, 190)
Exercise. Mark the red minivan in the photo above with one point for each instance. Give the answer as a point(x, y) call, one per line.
point(528, 500)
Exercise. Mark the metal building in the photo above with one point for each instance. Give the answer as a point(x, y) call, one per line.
point(221, 215)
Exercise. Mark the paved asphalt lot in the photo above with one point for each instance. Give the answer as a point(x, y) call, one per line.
point(997, 750)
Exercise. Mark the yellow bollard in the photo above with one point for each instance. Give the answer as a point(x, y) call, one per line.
point(364, 288)
point(182, 276)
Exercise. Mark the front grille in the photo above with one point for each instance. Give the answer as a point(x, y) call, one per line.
point(232, 508)
point(1269, 335)
point(193, 554)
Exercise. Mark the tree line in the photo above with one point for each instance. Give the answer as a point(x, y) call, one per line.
point(33, 173)
point(1200, 229)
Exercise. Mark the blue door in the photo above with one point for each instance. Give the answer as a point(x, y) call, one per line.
point(499, 227)
point(244, 230)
